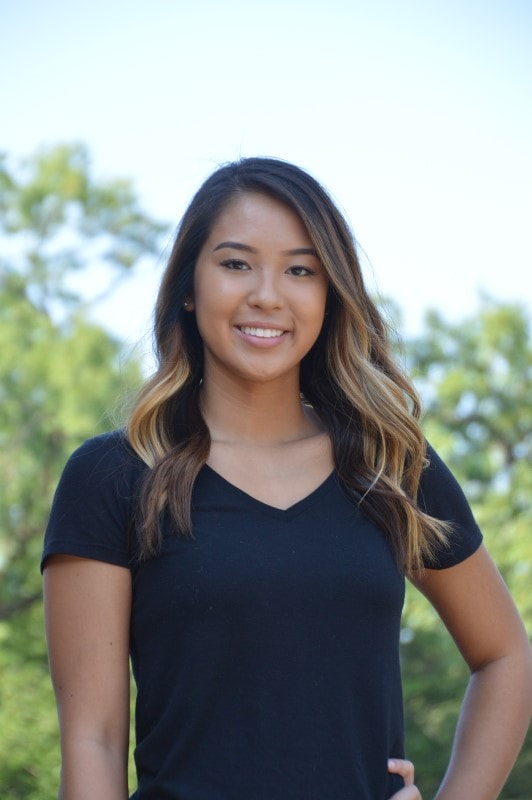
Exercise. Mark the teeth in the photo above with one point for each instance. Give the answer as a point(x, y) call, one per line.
point(266, 333)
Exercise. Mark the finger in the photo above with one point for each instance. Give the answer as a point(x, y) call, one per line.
point(408, 793)
point(402, 767)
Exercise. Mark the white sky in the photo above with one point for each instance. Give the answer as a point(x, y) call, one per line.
point(417, 116)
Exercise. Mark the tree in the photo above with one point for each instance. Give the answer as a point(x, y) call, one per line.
point(61, 378)
point(476, 380)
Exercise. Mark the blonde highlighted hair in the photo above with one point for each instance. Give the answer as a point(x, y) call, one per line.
point(368, 406)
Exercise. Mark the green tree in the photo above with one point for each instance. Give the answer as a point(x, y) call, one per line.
point(476, 380)
point(61, 377)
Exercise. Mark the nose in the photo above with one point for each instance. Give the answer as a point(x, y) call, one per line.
point(265, 292)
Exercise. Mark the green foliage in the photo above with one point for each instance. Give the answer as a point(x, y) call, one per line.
point(29, 754)
point(61, 378)
point(476, 379)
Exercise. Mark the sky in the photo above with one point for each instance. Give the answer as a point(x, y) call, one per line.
point(417, 116)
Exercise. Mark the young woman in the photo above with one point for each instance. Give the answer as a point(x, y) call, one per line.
point(246, 539)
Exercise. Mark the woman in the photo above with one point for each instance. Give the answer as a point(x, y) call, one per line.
point(246, 539)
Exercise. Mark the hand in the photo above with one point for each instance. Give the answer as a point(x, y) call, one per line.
point(406, 770)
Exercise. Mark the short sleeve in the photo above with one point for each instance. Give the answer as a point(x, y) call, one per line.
point(93, 506)
point(441, 496)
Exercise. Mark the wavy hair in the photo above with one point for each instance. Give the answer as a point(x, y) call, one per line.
point(367, 405)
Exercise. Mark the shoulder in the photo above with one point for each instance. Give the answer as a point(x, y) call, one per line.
point(441, 496)
point(439, 493)
point(106, 448)
point(103, 458)
point(95, 500)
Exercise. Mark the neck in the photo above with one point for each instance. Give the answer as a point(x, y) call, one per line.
point(257, 413)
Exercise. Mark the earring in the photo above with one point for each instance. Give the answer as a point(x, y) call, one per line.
point(185, 304)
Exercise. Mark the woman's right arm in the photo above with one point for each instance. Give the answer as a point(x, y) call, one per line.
point(87, 613)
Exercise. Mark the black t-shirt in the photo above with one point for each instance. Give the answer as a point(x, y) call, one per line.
point(266, 648)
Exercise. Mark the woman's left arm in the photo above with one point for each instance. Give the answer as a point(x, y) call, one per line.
point(473, 602)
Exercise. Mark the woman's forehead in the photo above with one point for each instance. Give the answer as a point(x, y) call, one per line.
point(256, 215)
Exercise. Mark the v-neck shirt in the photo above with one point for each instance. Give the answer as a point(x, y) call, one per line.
point(265, 648)
point(281, 513)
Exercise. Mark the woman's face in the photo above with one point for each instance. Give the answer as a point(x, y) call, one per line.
point(259, 291)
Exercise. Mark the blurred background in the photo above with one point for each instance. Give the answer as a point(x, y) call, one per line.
point(417, 116)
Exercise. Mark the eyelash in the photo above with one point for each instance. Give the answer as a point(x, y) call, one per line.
point(237, 266)
point(308, 270)
point(234, 264)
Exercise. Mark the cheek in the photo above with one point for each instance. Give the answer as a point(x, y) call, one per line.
point(206, 301)
point(314, 308)
point(213, 293)
point(212, 318)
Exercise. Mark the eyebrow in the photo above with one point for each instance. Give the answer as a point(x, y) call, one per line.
point(235, 246)
point(296, 251)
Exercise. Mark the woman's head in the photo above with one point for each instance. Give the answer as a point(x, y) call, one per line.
point(259, 294)
point(369, 408)
point(351, 315)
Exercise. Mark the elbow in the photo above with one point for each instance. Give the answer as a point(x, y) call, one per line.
point(510, 672)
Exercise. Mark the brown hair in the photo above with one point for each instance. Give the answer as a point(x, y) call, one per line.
point(368, 406)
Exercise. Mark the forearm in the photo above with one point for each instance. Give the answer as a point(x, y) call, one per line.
point(492, 725)
point(91, 770)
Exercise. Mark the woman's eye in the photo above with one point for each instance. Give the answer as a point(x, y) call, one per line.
point(234, 264)
point(300, 271)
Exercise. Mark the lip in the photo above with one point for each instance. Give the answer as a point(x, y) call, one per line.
point(261, 341)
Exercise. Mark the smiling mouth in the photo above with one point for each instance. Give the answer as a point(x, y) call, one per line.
point(263, 333)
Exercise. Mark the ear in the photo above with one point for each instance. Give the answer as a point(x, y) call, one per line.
point(188, 305)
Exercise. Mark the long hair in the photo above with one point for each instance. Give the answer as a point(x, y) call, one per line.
point(367, 405)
